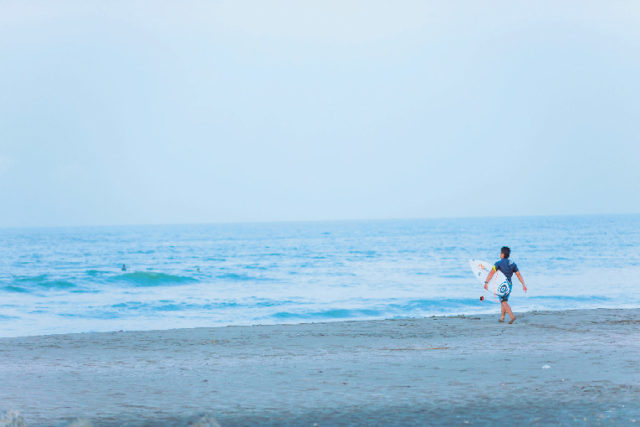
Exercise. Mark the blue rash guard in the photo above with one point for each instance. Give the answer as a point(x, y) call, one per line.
point(507, 267)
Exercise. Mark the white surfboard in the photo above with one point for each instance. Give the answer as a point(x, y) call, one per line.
point(498, 286)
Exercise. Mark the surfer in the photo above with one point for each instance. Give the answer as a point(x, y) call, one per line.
point(507, 267)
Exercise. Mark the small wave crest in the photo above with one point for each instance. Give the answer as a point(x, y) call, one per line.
point(240, 277)
point(6, 317)
point(151, 278)
point(176, 305)
point(570, 298)
point(385, 309)
point(336, 313)
point(95, 273)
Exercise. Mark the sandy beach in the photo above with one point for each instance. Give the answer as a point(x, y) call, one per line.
point(549, 367)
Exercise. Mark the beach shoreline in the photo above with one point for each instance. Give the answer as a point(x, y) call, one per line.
point(547, 368)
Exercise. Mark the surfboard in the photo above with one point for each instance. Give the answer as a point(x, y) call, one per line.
point(498, 285)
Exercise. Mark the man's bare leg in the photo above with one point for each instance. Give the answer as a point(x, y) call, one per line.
point(502, 312)
point(505, 307)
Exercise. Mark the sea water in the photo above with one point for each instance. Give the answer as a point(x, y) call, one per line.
point(59, 280)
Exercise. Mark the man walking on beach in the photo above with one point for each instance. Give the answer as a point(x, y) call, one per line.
point(507, 267)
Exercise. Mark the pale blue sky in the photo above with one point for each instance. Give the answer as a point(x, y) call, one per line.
point(131, 112)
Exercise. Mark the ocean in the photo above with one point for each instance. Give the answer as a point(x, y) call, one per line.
point(61, 280)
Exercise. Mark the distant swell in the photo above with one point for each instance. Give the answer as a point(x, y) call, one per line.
point(29, 283)
point(13, 288)
point(150, 278)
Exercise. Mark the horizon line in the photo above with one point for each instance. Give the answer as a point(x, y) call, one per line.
point(307, 221)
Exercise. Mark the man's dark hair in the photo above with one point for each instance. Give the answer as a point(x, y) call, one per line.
point(505, 251)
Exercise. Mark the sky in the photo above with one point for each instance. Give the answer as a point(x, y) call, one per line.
point(155, 112)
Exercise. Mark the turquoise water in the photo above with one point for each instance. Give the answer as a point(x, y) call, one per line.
point(60, 280)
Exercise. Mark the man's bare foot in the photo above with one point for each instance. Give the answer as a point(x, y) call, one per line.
point(512, 320)
point(501, 319)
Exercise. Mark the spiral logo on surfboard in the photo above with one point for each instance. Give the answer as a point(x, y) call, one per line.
point(502, 289)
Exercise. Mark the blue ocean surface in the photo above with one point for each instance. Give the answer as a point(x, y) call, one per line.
point(59, 280)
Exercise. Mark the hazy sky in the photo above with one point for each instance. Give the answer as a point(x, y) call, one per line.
point(130, 112)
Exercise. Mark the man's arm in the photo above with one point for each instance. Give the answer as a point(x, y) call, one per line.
point(524, 287)
point(488, 279)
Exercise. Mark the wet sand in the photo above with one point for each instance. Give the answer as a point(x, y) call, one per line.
point(568, 367)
